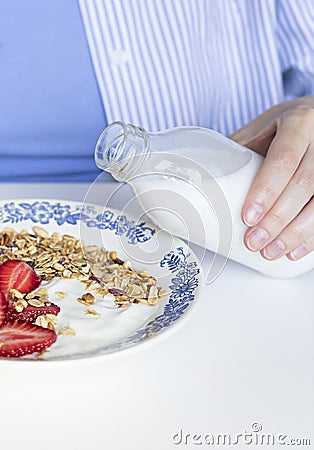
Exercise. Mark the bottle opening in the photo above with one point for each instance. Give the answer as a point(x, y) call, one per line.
point(121, 149)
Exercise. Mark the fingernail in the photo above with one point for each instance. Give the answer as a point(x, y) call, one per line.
point(274, 249)
point(253, 214)
point(257, 239)
point(299, 252)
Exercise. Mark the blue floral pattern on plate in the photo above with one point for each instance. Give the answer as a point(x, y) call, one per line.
point(185, 271)
point(44, 212)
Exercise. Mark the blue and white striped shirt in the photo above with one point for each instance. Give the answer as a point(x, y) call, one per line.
point(213, 63)
point(68, 68)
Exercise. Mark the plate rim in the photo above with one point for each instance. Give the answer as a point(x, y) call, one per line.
point(127, 344)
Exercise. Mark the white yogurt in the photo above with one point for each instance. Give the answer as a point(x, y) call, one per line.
point(92, 333)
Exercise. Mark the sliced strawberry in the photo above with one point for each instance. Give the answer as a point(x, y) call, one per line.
point(16, 274)
point(30, 313)
point(22, 338)
point(3, 307)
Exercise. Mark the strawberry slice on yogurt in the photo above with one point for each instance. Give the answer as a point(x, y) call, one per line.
point(16, 274)
point(22, 338)
point(19, 337)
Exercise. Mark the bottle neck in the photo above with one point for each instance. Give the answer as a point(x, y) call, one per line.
point(122, 149)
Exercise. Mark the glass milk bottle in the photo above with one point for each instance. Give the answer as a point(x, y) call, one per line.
point(192, 182)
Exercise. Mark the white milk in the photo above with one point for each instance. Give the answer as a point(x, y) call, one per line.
point(192, 182)
point(198, 211)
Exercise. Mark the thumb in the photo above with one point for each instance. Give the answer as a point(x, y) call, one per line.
point(255, 137)
point(259, 133)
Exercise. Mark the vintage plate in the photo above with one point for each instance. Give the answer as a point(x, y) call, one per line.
point(167, 258)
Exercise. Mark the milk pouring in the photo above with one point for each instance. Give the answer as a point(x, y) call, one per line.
point(192, 182)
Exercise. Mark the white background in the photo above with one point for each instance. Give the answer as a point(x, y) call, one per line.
point(243, 355)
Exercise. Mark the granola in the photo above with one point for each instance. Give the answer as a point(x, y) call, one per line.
point(65, 257)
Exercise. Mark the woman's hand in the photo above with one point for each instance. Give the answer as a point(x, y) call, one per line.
point(279, 208)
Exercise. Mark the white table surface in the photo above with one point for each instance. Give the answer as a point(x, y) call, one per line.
point(244, 355)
